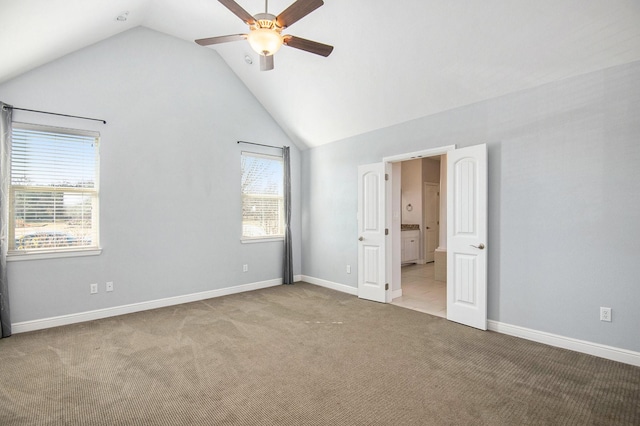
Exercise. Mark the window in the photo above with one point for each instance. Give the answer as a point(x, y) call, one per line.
point(262, 196)
point(53, 190)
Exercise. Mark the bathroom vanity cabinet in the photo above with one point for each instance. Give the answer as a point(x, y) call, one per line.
point(410, 246)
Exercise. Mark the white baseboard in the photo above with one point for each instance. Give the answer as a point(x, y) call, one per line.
point(396, 293)
point(39, 324)
point(595, 349)
point(329, 284)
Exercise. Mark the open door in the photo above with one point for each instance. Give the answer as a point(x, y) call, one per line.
point(467, 236)
point(371, 232)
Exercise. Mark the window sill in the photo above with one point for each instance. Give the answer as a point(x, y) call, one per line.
point(17, 257)
point(260, 240)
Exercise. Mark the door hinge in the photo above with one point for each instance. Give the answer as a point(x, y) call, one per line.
point(386, 176)
point(386, 286)
point(386, 231)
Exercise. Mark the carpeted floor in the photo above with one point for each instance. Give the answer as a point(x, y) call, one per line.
point(302, 355)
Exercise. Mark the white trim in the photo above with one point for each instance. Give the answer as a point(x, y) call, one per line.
point(419, 154)
point(254, 240)
point(329, 284)
point(17, 257)
point(590, 348)
point(396, 293)
point(39, 324)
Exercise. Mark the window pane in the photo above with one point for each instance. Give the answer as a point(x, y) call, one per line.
point(262, 196)
point(45, 220)
point(53, 192)
point(40, 158)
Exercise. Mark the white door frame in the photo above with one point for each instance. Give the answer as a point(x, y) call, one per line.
point(472, 280)
point(393, 256)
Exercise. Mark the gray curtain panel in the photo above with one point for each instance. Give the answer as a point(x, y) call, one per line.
point(287, 263)
point(5, 149)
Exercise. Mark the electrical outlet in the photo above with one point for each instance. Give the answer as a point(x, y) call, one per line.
point(348, 269)
point(109, 286)
point(245, 268)
point(93, 288)
point(605, 314)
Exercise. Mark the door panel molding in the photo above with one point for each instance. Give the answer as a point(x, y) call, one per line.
point(467, 236)
point(371, 232)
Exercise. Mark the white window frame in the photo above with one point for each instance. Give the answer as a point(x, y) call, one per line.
point(55, 252)
point(266, 238)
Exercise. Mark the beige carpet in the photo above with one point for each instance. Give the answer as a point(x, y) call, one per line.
point(302, 355)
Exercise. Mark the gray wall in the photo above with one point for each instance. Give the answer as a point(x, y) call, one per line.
point(170, 174)
point(564, 197)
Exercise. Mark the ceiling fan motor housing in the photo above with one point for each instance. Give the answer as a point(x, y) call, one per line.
point(266, 20)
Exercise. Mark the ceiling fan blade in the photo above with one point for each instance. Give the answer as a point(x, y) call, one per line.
point(266, 62)
point(237, 10)
point(308, 45)
point(297, 11)
point(221, 39)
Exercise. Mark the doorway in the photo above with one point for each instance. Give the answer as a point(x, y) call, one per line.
point(420, 288)
point(379, 222)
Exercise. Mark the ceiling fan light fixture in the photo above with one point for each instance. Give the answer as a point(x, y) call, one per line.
point(265, 31)
point(265, 41)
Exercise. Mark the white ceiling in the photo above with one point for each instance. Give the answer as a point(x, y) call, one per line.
point(393, 61)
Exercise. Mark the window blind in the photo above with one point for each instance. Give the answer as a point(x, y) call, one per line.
point(262, 196)
point(53, 189)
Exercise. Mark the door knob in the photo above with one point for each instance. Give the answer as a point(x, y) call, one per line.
point(360, 239)
point(479, 246)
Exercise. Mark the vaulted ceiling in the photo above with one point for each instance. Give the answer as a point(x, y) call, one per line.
point(393, 61)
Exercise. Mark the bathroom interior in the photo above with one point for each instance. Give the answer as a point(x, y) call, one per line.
point(423, 236)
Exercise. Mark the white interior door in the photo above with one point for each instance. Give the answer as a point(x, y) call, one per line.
point(431, 209)
point(371, 232)
point(467, 236)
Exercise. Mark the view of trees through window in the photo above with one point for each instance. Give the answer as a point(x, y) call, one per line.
point(262, 196)
point(53, 190)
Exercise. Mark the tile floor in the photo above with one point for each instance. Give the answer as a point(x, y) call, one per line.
point(421, 292)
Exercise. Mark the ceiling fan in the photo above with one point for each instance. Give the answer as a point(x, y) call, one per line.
point(265, 31)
